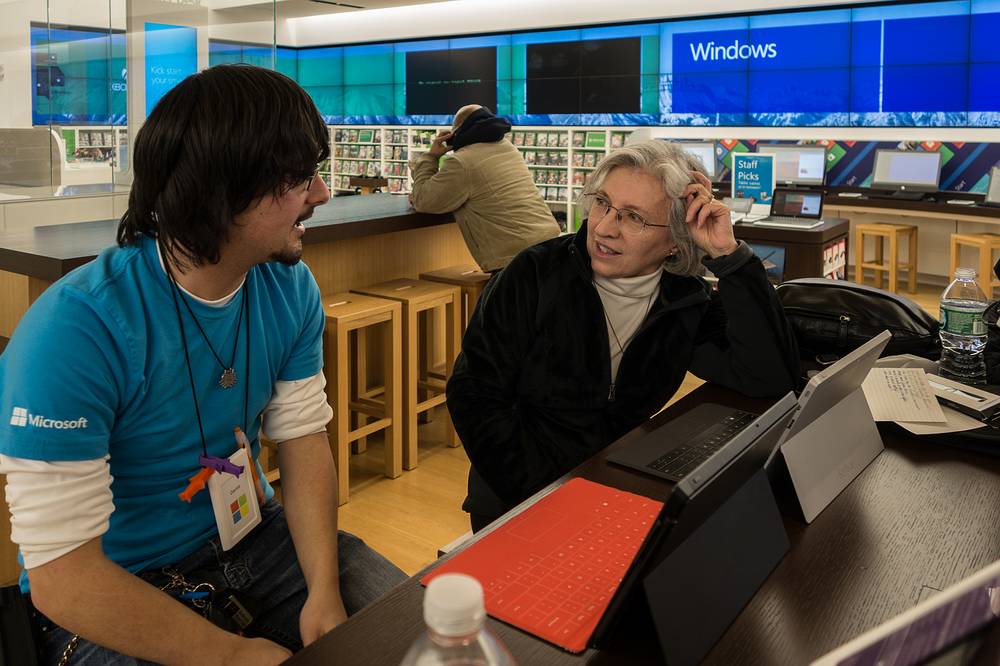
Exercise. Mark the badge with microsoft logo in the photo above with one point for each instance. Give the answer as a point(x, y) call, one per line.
point(234, 501)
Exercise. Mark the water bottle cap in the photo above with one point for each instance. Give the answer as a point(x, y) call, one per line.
point(453, 605)
point(965, 273)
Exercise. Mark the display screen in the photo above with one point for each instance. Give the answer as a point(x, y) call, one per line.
point(78, 76)
point(705, 152)
point(797, 204)
point(911, 168)
point(171, 55)
point(589, 77)
point(963, 631)
point(773, 259)
point(440, 82)
point(797, 164)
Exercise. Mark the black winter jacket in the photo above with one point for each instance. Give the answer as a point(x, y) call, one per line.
point(531, 394)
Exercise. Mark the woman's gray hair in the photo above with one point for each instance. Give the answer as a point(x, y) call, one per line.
point(671, 165)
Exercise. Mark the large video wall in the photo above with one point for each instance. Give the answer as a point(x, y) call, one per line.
point(905, 65)
point(924, 64)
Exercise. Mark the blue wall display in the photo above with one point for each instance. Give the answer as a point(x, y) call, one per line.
point(919, 64)
point(171, 55)
point(78, 76)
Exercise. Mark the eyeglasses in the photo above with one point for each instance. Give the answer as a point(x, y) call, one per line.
point(312, 179)
point(629, 221)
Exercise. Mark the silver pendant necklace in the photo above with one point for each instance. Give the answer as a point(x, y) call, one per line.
point(621, 347)
point(228, 378)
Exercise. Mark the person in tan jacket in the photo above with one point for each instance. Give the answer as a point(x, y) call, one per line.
point(487, 186)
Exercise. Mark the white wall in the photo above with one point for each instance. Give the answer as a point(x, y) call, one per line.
point(441, 19)
point(258, 32)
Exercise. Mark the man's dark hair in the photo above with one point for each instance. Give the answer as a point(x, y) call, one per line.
point(214, 144)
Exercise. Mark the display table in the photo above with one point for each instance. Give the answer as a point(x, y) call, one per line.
point(798, 253)
point(934, 217)
point(919, 518)
point(350, 242)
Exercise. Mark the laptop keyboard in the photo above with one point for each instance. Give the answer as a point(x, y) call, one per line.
point(676, 463)
point(784, 219)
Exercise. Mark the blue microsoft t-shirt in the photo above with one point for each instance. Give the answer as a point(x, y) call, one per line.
point(96, 367)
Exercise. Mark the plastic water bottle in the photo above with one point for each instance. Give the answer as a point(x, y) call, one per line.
point(454, 614)
point(963, 332)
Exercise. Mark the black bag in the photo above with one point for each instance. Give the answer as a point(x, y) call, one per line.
point(992, 351)
point(831, 318)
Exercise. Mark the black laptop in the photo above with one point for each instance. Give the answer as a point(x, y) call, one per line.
point(679, 446)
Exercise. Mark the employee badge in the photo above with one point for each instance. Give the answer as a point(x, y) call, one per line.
point(234, 501)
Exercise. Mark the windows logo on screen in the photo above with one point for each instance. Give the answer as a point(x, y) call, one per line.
point(239, 509)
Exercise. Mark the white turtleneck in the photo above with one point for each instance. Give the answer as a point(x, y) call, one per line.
point(627, 302)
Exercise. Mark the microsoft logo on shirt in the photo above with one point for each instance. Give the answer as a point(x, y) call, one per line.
point(21, 418)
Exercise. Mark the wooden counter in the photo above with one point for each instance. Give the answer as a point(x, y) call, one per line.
point(350, 242)
point(935, 206)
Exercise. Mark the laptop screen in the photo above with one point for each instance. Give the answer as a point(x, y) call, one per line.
point(804, 165)
point(797, 203)
point(705, 152)
point(907, 169)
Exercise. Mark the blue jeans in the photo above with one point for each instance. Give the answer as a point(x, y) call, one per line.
point(263, 566)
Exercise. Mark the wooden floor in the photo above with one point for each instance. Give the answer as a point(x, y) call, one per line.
point(407, 519)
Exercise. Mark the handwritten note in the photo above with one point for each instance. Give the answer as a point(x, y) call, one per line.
point(901, 394)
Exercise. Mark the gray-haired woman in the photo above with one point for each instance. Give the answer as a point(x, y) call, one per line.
point(582, 338)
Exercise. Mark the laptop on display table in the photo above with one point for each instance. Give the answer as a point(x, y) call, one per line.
point(794, 209)
point(673, 450)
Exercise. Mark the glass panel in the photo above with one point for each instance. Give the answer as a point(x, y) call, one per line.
point(71, 108)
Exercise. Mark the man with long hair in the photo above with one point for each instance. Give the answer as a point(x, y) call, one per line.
point(133, 503)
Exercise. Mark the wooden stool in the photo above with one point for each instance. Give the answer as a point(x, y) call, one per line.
point(353, 312)
point(418, 296)
point(987, 244)
point(268, 460)
point(468, 278)
point(882, 231)
point(367, 185)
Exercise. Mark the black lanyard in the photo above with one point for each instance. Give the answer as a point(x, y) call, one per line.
point(245, 311)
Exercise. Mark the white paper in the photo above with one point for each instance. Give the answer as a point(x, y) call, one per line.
point(901, 394)
point(956, 422)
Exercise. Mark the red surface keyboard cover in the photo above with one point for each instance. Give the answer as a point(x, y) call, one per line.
point(553, 569)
